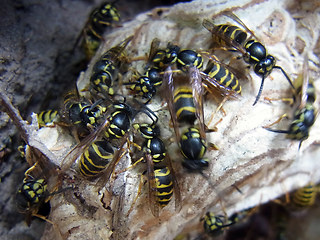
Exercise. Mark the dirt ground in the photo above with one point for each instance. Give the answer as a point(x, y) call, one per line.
point(37, 64)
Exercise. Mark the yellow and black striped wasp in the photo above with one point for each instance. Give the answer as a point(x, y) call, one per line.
point(107, 69)
point(215, 225)
point(253, 51)
point(146, 84)
point(41, 179)
point(184, 90)
point(184, 108)
point(100, 20)
point(305, 196)
point(161, 177)
point(48, 117)
point(81, 113)
point(32, 196)
point(100, 150)
point(305, 113)
point(41, 182)
point(97, 156)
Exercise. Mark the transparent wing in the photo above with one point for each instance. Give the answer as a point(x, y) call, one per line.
point(152, 187)
point(168, 85)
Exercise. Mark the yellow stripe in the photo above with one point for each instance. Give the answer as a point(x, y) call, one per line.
point(188, 109)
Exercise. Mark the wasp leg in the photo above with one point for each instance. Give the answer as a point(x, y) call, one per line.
point(280, 118)
point(289, 100)
point(132, 166)
point(212, 146)
point(220, 107)
point(136, 162)
point(214, 128)
point(26, 174)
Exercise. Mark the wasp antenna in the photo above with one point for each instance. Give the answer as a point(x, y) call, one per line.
point(286, 75)
point(277, 130)
point(260, 91)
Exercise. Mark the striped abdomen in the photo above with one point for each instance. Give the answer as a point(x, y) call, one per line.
point(47, 117)
point(184, 105)
point(226, 35)
point(305, 196)
point(95, 158)
point(223, 76)
point(164, 185)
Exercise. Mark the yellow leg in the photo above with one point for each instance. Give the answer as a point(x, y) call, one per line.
point(132, 166)
point(289, 100)
point(220, 107)
point(129, 143)
point(270, 125)
point(30, 170)
point(212, 146)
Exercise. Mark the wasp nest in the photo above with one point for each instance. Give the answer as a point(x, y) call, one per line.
point(261, 164)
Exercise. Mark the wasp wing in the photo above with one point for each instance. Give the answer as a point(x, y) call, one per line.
point(228, 40)
point(238, 20)
point(152, 186)
point(169, 89)
point(176, 188)
point(198, 92)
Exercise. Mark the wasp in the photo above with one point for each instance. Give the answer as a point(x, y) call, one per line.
point(79, 112)
point(161, 178)
point(35, 192)
point(101, 19)
point(146, 84)
point(185, 102)
point(98, 154)
point(254, 52)
point(106, 70)
point(305, 196)
point(215, 225)
point(31, 196)
point(97, 148)
point(48, 117)
point(183, 107)
point(305, 113)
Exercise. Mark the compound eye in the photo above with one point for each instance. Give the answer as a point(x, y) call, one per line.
point(271, 59)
